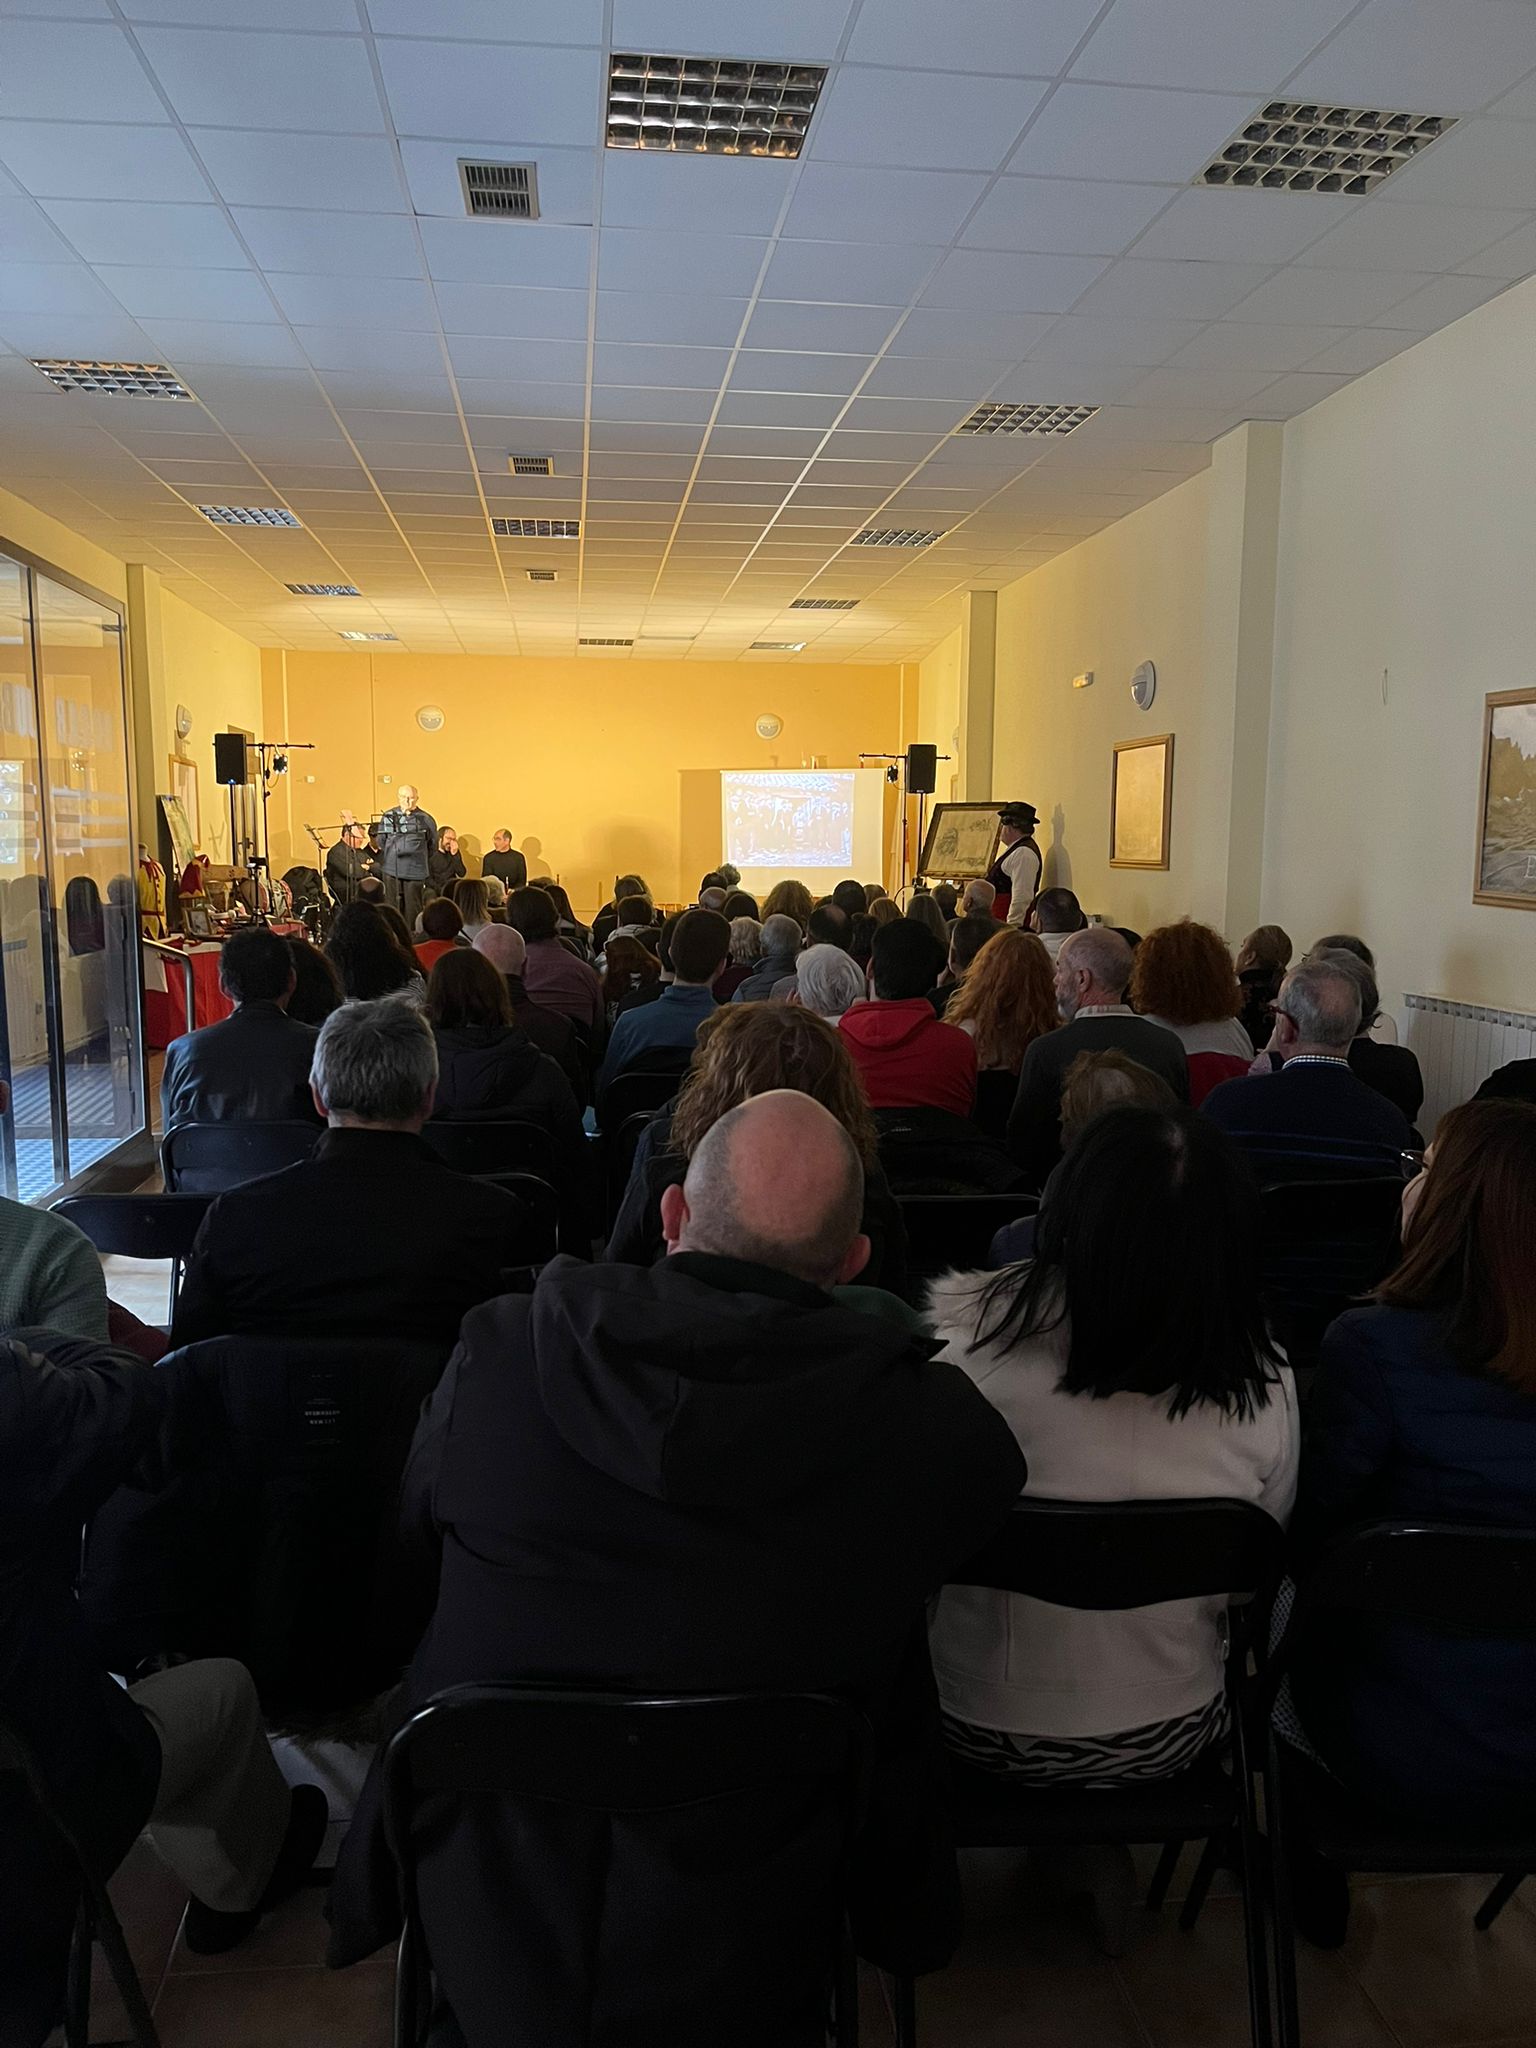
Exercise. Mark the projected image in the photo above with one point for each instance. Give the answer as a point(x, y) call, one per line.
point(776, 820)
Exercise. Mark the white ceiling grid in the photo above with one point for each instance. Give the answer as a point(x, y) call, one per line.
point(736, 364)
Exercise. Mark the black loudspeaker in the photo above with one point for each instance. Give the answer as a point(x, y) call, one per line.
point(229, 757)
point(922, 770)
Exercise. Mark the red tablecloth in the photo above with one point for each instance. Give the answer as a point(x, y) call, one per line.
point(165, 995)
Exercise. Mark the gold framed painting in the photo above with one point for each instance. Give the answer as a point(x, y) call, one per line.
point(1141, 803)
point(184, 785)
point(1506, 817)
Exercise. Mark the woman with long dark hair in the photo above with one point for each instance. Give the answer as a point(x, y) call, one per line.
point(368, 958)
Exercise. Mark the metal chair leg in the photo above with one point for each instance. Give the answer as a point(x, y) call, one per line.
point(1287, 2012)
point(1255, 1915)
point(904, 2011)
point(1498, 1899)
point(1162, 1877)
point(77, 1983)
point(1200, 1884)
point(114, 1946)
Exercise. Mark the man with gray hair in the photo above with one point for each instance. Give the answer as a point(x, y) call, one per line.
point(408, 835)
point(1313, 1119)
point(978, 899)
point(703, 1475)
point(828, 981)
point(1093, 969)
point(782, 940)
point(372, 1236)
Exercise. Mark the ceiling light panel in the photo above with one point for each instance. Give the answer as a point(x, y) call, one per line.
point(1026, 419)
point(536, 529)
point(323, 589)
point(897, 537)
point(777, 646)
point(715, 106)
point(112, 380)
point(823, 604)
point(248, 515)
point(499, 191)
point(1305, 146)
point(589, 641)
point(369, 636)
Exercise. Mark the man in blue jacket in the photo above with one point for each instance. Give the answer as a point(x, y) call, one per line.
point(409, 838)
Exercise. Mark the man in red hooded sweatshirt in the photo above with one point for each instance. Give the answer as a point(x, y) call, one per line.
point(909, 1059)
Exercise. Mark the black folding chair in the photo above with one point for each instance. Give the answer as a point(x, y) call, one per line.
point(205, 1159)
point(620, 1754)
point(1107, 1557)
point(650, 1084)
point(1455, 1582)
point(493, 1147)
point(1324, 1245)
point(95, 1916)
point(140, 1227)
point(996, 1093)
point(955, 1232)
point(538, 1236)
point(622, 1147)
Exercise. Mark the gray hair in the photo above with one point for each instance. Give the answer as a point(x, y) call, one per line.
point(375, 1061)
point(980, 895)
point(831, 981)
point(1102, 951)
point(712, 899)
point(1359, 971)
point(1323, 1001)
point(746, 941)
point(782, 934)
point(731, 876)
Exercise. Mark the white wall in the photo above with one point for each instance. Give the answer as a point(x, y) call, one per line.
point(938, 709)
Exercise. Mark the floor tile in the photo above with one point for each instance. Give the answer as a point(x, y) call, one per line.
point(1434, 1978)
point(292, 1936)
point(149, 1904)
point(292, 2008)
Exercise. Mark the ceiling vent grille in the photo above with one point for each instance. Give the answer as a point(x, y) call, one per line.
point(532, 465)
point(897, 537)
point(369, 636)
point(1026, 419)
point(499, 191)
point(543, 576)
point(714, 106)
point(536, 529)
point(1297, 146)
point(248, 515)
point(323, 589)
point(112, 380)
point(591, 641)
point(823, 604)
point(777, 646)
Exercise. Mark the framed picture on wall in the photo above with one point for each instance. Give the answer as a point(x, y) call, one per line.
point(1506, 837)
point(184, 785)
point(1141, 803)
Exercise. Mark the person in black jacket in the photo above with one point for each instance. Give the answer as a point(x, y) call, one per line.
point(183, 1750)
point(372, 1234)
point(254, 1065)
point(559, 1036)
point(706, 1475)
point(408, 836)
point(1392, 1070)
point(504, 861)
point(445, 864)
point(347, 863)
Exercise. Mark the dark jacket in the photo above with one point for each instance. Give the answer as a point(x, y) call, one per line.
point(758, 986)
point(493, 1074)
point(252, 1067)
point(1393, 1071)
point(74, 1419)
point(371, 1235)
point(345, 867)
point(695, 1476)
point(509, 868)
point(1310, 1121)
point(409, 839)
point(552, 1033)
point(444, 869)
point(1435, 1726)
point(1034, 1128)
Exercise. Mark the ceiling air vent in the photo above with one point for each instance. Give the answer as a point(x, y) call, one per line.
point(777, 646)
point(499, 191)
point(586, 641)
point(715, 106)
point(532, 465)
point(536, 529)
point(1026, 419)
point(112, 380)
point(1299, 146)
point(323, 589)
point(248, 515)
point(897, 537)
point(369, 636)
point(543, 576)
point(823, 604)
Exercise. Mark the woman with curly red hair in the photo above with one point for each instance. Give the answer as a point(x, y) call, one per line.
point(1184, 980)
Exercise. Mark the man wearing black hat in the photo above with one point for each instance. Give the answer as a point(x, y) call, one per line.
point(1015, 874)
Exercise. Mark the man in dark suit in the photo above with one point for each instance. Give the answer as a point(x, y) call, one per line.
point(372, 1234)
point(1093, 969)
point(347, 862)
point(505, 862)
point(408, 835)
point(253, 1066)
point(706, 1475)
point(1314, 1118)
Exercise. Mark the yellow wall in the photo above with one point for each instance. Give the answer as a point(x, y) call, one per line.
point(938, 710)
point(217, 676)
point(582, 760)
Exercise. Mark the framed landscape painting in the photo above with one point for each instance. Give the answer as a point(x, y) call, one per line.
point(1141, 803)
point(1506, 841)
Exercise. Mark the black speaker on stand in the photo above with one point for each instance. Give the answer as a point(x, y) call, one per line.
point(229, 762)
point(922, 770)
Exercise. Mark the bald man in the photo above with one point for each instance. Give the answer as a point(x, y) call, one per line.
point(408, 835)
point(1093, 970)
point(703, 1475)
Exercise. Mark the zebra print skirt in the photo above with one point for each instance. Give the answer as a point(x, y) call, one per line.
point(1157, 1750)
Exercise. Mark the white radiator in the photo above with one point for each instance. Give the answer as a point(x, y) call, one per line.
point(1459, 1045)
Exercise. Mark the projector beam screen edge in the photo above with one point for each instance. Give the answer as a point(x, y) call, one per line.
point(815, 825)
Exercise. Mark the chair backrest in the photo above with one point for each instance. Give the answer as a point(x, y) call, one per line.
point(205, 1159)
point(1324, 1244)
point(996, 1093)
point(537, 1238)
point(946, 1232)
point(930, 1152)
point(649, 1086)
point(492, 1147)
point(621, 1149)
point(137, 1226)
point(1465, 1581)
point(1111, 1555)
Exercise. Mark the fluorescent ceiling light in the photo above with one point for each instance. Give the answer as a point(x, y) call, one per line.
point(1026, 419)
point(823, 604)
point(248, 515)
point(1309, 146)
point(111, 380)
point(369, 636)
point(713, 106)
point(323, 589)
point(897, 537)
point(537, 529)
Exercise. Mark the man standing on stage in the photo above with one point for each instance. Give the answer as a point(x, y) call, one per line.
point(409, 835)
point(348, 861)
point(1015, 874)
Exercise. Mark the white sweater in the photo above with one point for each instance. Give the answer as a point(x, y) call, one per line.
point(1009, 1662)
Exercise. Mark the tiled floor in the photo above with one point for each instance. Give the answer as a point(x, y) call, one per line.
point(1414, 1974)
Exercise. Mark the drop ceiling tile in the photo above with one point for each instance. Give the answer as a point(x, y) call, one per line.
point(490, 21)
point(1063, 216)
point(946, 330)
point(97, 336)
point(495, 310)
point(190, 342)
point(524, 362)
point(624, 402)
point(1294, 394)
point(1336, 298)
point(1080, 339)
point(330, 244)
point(1209, 44)
point(778, 409)
point(752, 441)
point(1137, 288)
point(1480, 163)
point(219, 78)
point(877, 440)
point(75, 71)
point(733, 195)
point(53, 288)
point(493, 252)
point(664, 318)
point(344, 173)
point(1423, 54)
point(698, 369)
point(269, 14)
point(978, 35)
point(137, 232)
point(1512, 258)
point(1114, 131)
point(182, 294)
point(848, 273)
point(784, 31)
point(997, 283)
point(336, 301)
point(425, 430)
point(838, 202)
point(970, 377)
point(1440, 301)
point(789, 370)
point(567, 178)
point(1239, 226)
point(1404, 237)
point(1239, 345)
point(370, 390)
point(1175, 386)
point(370, 348)
point(926, 120)
point(1365, 349)
point(82, 160)
point(656, 259)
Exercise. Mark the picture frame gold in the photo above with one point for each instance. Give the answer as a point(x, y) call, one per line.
point(1141, 802)
point(1505, 872)
point(183, 783)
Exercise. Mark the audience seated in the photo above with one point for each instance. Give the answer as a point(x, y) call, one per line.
point(547, 1029)
point(745, 952)
point(504, 863)
point(371, 890)
point(908, 1058)
point(636, 914)
point(1183, 979)
point(316, 991)
point(978, 899)
point(713, 898)
point(1262, 960)
point(553, 978)
point(884, 909)
point(1055, 914)
point(827, 927)
point(702, 1475)
point(568, 927)
point(967, 936)
point(254, 1064)
point(607, 918)
point(1515, 1082)
point(1392, 1070)
point(50, 1274)
point(697, 945)
point(828, 981)
point(1008, 996)
point(488, 1069)
point(861, 938)
point(182, 1752)
point(740, 904)
point(1314, 1118)
point(782, 938)
point(445, 864)
point(444, 928)
point(947, 898)
point(1424, 1409)
point(370, 1235)
point(369, 959)
point(1092, 970)
point(472, 899)
point(923, 910)
point(850, 900)
point(743, 1053)
point(789, 899)
point(631, 976)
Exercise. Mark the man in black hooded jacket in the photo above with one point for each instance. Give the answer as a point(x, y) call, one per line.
point(703, 1476)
